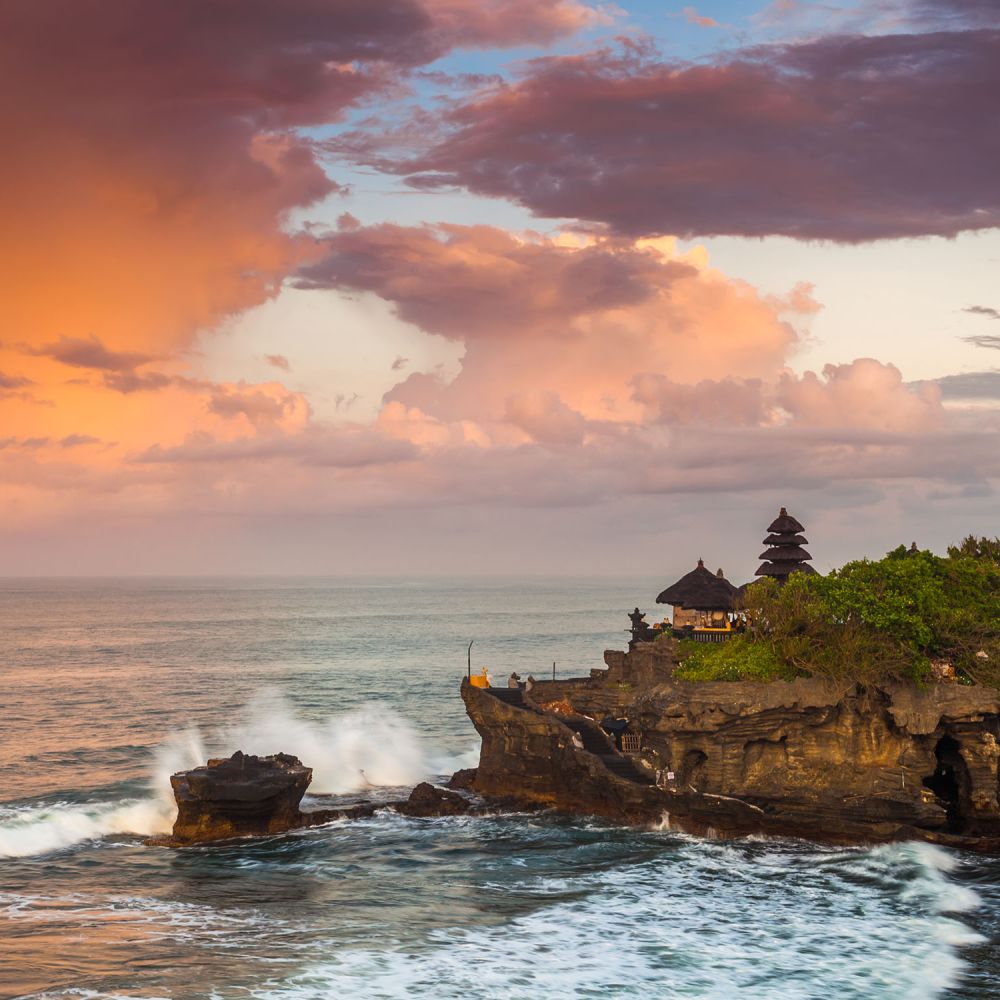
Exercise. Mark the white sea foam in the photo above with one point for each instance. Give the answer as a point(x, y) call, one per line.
point(714, 921)
point(370, 747)
point(33, 830)
point(663, 826)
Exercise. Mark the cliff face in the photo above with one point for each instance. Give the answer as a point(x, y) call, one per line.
point(529, 755)
point(801, 758)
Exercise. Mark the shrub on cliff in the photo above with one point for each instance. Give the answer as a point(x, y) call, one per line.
point(870, 621)
point(739, 659)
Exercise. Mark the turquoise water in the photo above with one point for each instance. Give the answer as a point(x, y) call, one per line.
point(107, 686)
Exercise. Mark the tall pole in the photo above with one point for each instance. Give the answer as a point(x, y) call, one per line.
point(553, 669)
point(470, 659)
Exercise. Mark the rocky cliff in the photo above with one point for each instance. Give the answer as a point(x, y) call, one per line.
point(804, 758)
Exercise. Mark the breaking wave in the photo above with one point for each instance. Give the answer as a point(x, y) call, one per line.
point(714, 920)
point(370, 747)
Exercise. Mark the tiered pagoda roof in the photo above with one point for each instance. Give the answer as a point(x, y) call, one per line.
point(700, 590)
point(784, 553)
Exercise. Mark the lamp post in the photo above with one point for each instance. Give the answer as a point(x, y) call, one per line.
point(470, 660)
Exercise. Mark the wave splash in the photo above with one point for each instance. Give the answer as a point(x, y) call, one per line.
point(369, 747)
point(711, 919)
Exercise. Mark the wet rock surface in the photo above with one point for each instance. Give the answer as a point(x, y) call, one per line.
point(248, 796)
point(803, 758)
point(463, 779)
point(426, 800)
point(239, 796)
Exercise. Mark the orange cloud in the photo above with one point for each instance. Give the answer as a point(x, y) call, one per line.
point(152, 155)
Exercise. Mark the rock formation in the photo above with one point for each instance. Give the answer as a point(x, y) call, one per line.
point(248, 796)
point(239, 796)
point(801, 758)
point(426, 800)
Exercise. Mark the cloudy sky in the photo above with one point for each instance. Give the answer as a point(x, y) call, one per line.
point(494, 286)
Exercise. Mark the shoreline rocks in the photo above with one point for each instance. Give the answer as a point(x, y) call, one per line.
point(807, 758)
point(241, 796)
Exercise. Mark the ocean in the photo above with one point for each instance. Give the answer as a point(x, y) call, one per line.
point(106, 686)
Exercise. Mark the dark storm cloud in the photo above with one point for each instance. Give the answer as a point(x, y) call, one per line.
point(970, 385)
point(987, 311)
point(846, 138)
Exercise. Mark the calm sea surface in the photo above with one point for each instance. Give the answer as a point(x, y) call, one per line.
point(108, 686)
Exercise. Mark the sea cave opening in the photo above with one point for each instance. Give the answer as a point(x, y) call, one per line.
point(950, 781)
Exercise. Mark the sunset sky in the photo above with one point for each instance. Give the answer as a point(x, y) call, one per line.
point(494, 286)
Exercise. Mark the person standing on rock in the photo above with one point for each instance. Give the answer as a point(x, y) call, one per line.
point(514, 681)
point(529, 684)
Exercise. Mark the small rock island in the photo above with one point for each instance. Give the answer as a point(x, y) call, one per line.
point(231, 798)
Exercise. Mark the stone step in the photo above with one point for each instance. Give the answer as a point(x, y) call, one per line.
point(596, 741)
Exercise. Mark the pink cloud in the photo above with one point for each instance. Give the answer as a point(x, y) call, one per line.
point(511, 22)
point(692, 16)
point(546, 418)
point(157, 160)
point(457, 280)
point(351, 447)
point(729, 402)
point(864, 394)
point(268, 404)
point(539, 315)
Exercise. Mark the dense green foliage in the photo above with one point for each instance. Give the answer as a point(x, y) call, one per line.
point(739, 659)
point(869, 621)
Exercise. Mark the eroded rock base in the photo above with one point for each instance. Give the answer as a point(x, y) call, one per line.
point(802, 759)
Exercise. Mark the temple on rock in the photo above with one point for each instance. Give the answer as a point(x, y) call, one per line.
point(784, 553)
point(700, 599)
point(707, 607)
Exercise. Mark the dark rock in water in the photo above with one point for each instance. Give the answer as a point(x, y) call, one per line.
point(248, 796)
point(239, 796)
point(462, 780)
point(426, 800)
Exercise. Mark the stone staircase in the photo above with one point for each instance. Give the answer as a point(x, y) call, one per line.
point(624, 768)
point(597, 742)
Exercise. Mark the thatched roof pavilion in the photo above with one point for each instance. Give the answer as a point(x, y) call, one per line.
point(784, 553)
point(700, 590)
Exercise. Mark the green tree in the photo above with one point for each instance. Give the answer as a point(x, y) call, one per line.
point(870, 620)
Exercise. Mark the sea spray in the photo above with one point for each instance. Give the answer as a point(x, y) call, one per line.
point(36, 829)
point(369, 747)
